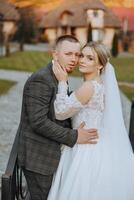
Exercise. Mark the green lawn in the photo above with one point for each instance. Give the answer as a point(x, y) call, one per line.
point(33, 60)
point(124, 68)
point(25, 61)
point(5, 86)
point(128, 91)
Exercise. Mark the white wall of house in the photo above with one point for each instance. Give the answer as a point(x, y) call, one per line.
point(108, 37)
point(97, 34)
point(59, 31)
point(50, 33)
point(105, 35)
point(96, 18)
point(62, 31)
point(9, 27)
point(81, 34)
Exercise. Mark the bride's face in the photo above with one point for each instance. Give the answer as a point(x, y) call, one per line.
point(89, 62)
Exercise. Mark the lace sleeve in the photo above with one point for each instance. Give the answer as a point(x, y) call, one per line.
point(65, 106)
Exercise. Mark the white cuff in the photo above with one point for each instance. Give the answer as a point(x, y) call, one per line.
point(62, 87)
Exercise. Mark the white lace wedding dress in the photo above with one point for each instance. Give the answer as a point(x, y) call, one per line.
point(102, 171)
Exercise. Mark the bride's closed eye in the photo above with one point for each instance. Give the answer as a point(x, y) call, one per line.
point(90, 58)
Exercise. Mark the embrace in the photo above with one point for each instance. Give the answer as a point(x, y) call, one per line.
point(74, 145)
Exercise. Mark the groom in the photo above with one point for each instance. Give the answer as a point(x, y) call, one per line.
point(40, 133)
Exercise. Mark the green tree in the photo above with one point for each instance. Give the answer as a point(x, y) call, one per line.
point(114, 49)
point(27, 28)
point(89, 37)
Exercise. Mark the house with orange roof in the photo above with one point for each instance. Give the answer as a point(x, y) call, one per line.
point(9, 17)
point(85, 19)
point(126, 16)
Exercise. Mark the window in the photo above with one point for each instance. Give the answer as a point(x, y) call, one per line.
point(1, 16)
point(95, 13)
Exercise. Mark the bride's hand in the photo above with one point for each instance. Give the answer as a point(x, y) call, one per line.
point(59, 72)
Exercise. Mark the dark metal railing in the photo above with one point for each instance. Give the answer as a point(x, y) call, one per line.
point(131, 128)
point(13, 187)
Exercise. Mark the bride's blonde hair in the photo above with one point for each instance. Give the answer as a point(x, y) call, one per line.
point(102, 52)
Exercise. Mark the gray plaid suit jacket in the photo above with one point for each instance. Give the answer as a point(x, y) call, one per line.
point(40, 134)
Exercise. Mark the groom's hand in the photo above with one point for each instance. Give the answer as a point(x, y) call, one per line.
point(60, 72)
point(86, 136)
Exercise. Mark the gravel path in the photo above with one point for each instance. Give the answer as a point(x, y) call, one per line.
point(10, 108)
point(128, 84)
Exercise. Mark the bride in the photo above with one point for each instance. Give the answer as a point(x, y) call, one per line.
point(101, 171)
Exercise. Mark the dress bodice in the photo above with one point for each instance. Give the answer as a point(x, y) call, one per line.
point(92, 112)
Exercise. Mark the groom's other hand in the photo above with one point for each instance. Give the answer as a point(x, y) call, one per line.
point(86, 136)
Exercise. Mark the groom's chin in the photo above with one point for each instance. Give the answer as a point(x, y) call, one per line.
point(69, 70)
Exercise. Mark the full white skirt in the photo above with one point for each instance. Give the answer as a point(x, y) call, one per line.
point(104, 171)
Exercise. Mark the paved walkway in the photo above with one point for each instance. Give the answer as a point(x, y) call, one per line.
point(14, 47)
point(126, 84)
point(10, 109)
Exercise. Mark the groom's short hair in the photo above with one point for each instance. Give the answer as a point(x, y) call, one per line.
point(63, 38)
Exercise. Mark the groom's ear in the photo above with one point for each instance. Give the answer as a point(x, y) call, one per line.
point(54, 54)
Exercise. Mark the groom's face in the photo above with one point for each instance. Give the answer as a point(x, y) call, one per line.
point(67, 54)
